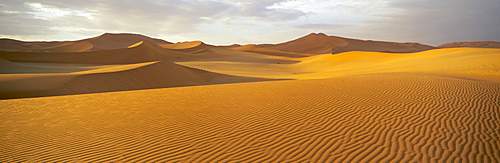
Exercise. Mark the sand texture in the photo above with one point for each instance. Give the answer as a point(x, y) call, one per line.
point(369, 118)
point(147, 100)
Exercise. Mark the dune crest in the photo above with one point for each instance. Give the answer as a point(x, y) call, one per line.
point(106, 41)
point(189, 47)
point(135, 45)
point(479, 44)
point(109, 41)
point(256, 49)
point(144, 52)
point(320, 43)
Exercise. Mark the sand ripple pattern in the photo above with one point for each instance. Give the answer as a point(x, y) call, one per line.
point(371, 118)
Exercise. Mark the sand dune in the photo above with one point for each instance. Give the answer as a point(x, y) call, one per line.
point(16, 45)
point(131, 98)
point(457, 61)
point(444, 61)
point(190, 46)
point(72, 47)
point(203, 52)
point(479, 44)
point(6, 63)
point(256, 49)
point(145, 52)
point(110, 41)
point(320, 44)
point(107, 41)
point(394, 117)
point(157, 74)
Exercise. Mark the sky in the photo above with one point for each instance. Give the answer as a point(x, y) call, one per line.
point(224, 22)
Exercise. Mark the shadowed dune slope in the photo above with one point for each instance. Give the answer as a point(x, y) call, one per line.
point(107, 41)
point(110, 41)
point(479, 44)
point(321, 44)
point(144, 52)
point(6, 63)
point(80, 46)
point(256, 49)
point(394, 117)
point(203, 52)
point(16, 45)
point(157, 74)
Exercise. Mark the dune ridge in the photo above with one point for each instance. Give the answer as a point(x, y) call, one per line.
point(109, 41)
point(145, 52)
point(256, 49)
point(106, 41)
point(313, 43)
point(320, 43)
point(479, 44)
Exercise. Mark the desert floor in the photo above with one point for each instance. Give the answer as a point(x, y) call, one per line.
point(201, 103)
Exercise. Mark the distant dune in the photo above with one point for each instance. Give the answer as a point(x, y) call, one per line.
point(479, 44)
point(110, 41)
point(131, 98)
point(319, 43)
point(107, 41)
point(256, 49)
point(146, 51)
point(191, 47)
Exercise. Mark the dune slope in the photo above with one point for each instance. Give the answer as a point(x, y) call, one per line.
point(319, 43)
point(440, 61)
point(479, 44)
point(109, 41)
point(395, 117)
point(451, 61)
point(148, 75)
point(145, 51)
point(256, 49)
point(106, 41)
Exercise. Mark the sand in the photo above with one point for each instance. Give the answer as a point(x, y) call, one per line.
point(396, 117)
point(479, 44)
point(194, 102)
point(320, 43)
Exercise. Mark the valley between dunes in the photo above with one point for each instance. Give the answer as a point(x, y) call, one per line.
point(131, 98)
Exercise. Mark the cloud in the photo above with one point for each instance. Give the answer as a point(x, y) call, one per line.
point(160, 17)
point(245, 21)
point(323, 26)
point(149, 17)
point(437, 22)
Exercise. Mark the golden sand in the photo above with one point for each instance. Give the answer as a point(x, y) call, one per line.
point(193, 102)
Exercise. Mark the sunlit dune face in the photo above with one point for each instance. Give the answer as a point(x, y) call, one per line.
point(136, 44)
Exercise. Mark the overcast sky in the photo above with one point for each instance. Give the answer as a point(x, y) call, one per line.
point(221, 22)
